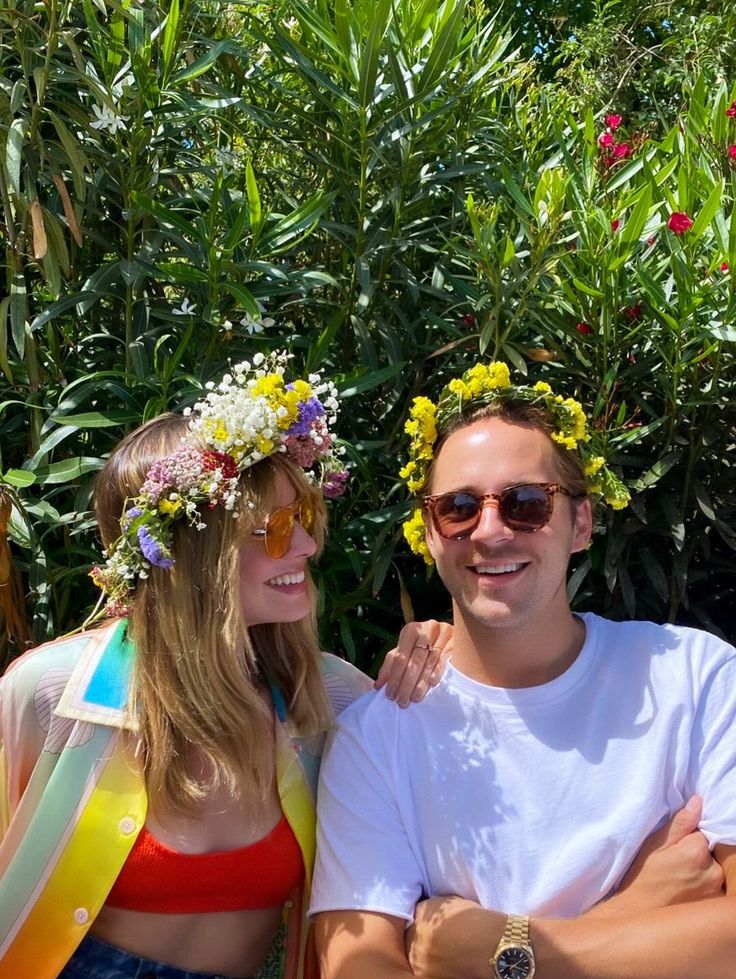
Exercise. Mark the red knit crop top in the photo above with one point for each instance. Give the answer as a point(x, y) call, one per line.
point(158, 879)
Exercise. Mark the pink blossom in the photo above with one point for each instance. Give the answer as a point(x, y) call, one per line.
point(680, 222)
point(731, 110)
point(622, 151)
point(633, 313)
point(613, 122)
point(584, 328)
point(732, 151)
point(724, 267)
point(605, 140)
point(615, 224)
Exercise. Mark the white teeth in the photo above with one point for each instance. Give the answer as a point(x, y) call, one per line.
point(287, 579)
point(499, 569)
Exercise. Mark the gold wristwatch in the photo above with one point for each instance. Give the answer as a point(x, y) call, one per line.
point(514, 957)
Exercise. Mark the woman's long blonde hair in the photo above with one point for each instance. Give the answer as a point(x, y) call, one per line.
point(200, 673)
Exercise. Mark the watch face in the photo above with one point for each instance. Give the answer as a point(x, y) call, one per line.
point(514, 963)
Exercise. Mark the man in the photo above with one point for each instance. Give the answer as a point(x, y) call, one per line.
point(529, 779)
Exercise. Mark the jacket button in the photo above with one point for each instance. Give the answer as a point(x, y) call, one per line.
point(81, 916)
point(126, 825)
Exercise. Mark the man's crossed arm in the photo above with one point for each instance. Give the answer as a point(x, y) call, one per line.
point(671, 919)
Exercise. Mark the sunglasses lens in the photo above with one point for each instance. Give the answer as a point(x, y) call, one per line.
point(456, 515)
point(525, 508)
point(306, 515)
point(278, 532)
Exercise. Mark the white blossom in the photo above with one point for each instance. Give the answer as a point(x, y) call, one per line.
point(186, 308)
point(107, 119)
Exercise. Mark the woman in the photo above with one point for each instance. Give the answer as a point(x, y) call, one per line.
point(158, 772)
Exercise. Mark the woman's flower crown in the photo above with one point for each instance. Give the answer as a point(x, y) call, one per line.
point(481, 385)
point(251, 414)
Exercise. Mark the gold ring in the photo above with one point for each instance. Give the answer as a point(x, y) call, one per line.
point(422, 645)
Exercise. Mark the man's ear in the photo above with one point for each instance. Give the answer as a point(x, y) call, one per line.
point(583, 526)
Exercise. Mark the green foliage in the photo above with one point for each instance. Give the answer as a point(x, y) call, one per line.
point(386, 188)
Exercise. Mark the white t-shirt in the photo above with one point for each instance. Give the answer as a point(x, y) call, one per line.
point(534, 800)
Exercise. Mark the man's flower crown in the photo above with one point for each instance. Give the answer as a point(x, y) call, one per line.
point(481, 385)
point(251, 414)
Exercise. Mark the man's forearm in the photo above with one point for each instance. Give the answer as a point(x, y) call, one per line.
point(677, 942)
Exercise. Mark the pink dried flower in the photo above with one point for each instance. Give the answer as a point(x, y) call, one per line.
point(679, 222)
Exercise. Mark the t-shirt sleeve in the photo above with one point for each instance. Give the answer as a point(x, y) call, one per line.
point(364, 858)
point(713, 753)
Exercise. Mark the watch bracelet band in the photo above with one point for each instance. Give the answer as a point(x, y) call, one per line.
point(517, 930)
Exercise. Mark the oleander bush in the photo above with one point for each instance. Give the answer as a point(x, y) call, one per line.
point(390, 190)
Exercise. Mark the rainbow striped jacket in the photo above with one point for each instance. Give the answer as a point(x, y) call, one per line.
point(72, 799)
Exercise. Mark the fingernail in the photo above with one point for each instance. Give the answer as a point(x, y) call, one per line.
point(391, 694)
point(693, 803)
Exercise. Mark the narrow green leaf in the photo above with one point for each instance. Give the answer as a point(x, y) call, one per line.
point(169, 41)
point(18, 478)
point(14, 153)
point(444, 46)
point(205, 62)
point(254, 200)
point(371, 50)
point(97, 419)
point(4, 362)
point(67, 470)
point(356, 384)
point(18, 311)
point(707, 211)
point(60, 306)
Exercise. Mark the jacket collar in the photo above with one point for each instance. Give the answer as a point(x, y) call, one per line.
point(99, 684)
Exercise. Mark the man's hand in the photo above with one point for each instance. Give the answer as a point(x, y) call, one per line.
point(675, 865)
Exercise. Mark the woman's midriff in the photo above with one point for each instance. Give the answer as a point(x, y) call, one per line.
point(231, 943)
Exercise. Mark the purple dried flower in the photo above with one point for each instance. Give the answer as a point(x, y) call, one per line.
point(308, 412)
point(152, 550)
point(335, 484)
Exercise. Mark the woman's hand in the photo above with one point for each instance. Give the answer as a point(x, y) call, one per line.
point(417, 662)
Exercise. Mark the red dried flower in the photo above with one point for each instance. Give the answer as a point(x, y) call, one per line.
point(633, 313)
point(613, 122)
point(731, 110)
point(615, 224)
point(680, 222)
point(469, 320)
point(584, 328)
point(651, 240)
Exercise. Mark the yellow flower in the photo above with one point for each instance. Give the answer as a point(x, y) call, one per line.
point(567, 440)
point(498, 375)
point(593, 465)
point(265, 446)
point(169, 506)
point(457, 386)
point(541, 387)
point(415, 536)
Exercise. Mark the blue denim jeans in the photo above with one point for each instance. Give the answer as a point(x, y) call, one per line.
point(94, 959)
